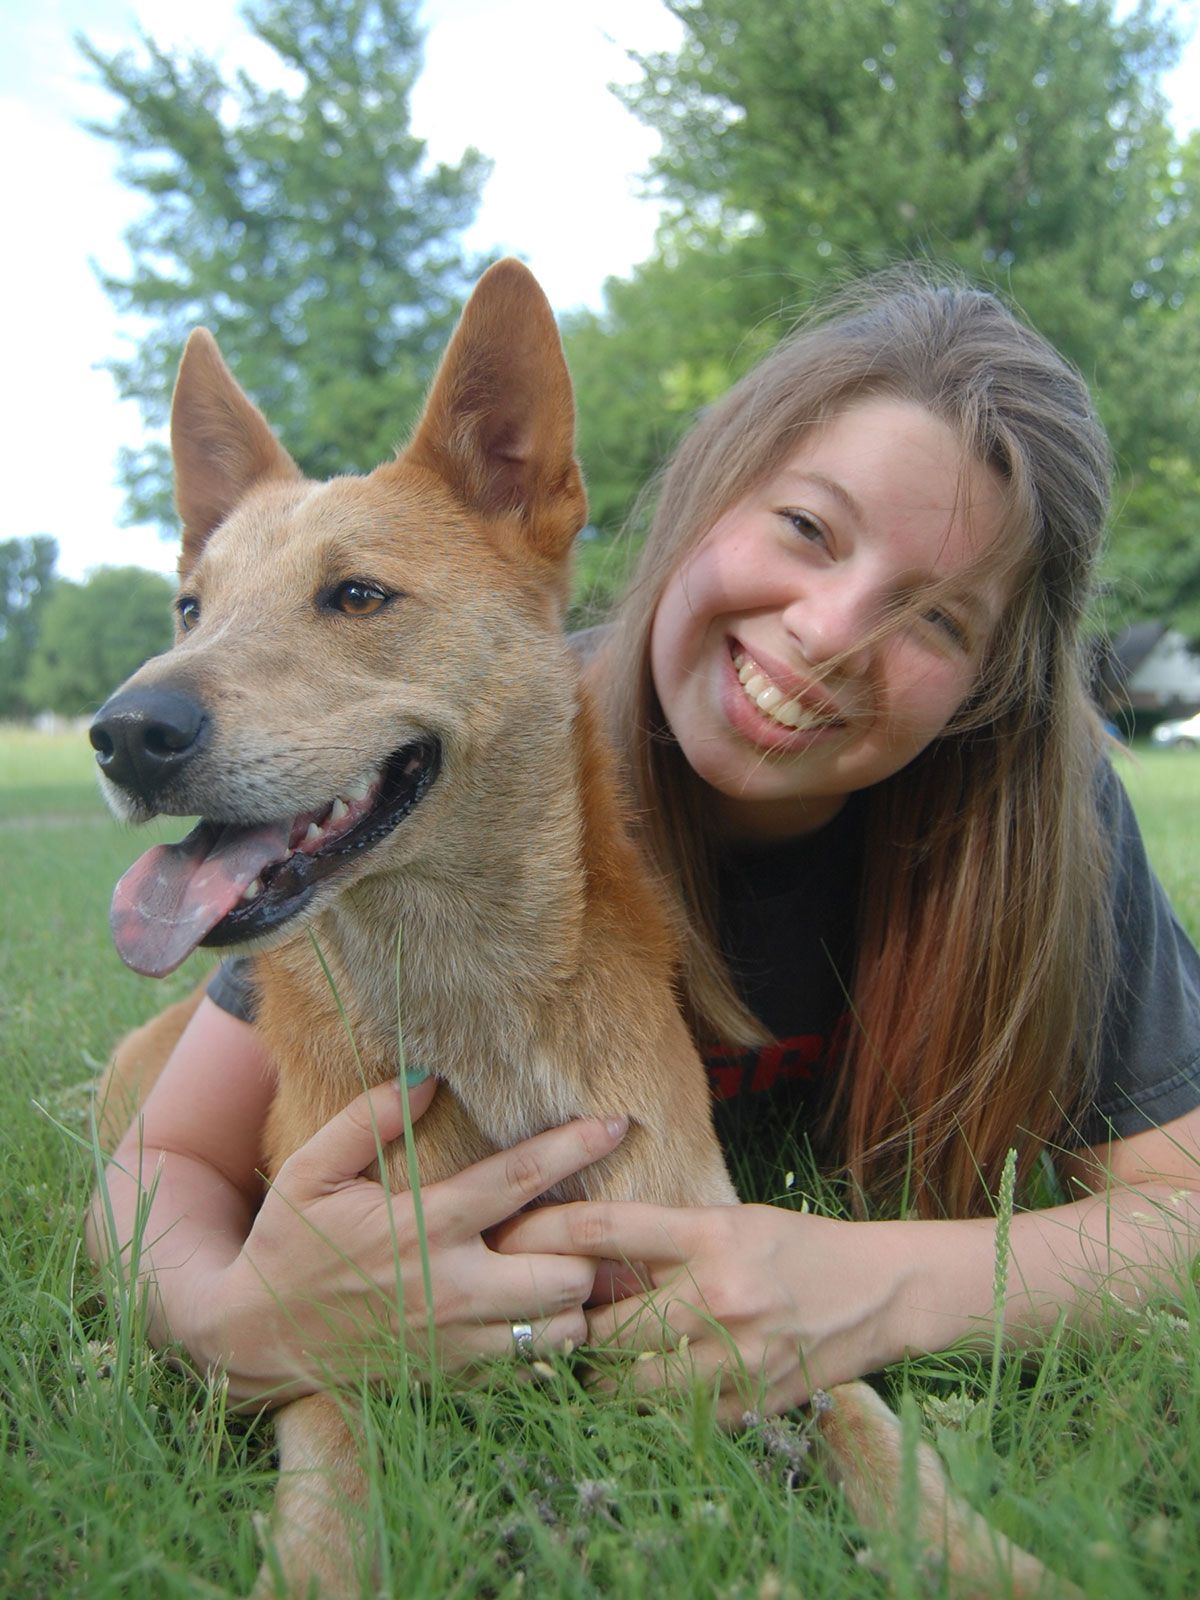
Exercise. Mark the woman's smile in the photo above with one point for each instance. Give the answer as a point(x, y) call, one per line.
point(789, 717)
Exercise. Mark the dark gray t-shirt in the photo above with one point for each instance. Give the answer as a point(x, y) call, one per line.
point(790, 910)
point(1150, 1049)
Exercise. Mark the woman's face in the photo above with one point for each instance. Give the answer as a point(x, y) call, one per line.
point(831, 623)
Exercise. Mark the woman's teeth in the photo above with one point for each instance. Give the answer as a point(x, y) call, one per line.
point(770, 699)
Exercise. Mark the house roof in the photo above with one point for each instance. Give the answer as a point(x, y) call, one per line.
point(1120, 658)
point(1133, 644)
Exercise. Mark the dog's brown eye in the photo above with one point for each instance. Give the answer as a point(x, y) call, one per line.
point(188, 608)
point(358, 599)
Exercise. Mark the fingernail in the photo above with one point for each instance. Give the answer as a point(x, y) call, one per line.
point(413, 1076)
point(617, 1126)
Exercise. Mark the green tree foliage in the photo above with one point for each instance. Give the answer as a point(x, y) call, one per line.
point(26, 579)
point(1153, 567)
point(94, 634)
point(302, 224)
point(1024, 142)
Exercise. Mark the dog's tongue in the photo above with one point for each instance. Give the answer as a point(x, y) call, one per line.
point(176, 893)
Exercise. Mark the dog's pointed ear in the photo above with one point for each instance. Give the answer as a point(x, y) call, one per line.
point(220, 443)
point(499, 424)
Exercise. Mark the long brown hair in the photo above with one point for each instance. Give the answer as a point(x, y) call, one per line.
point(982, 924)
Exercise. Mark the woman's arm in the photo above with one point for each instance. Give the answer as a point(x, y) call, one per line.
point(1136, 1230)
point(790, 1303)
point(188, 1169)
point(319, 1279)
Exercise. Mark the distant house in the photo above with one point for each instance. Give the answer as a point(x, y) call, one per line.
point(1150, 669)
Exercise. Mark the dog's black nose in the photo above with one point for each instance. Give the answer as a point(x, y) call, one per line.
point(145, 737)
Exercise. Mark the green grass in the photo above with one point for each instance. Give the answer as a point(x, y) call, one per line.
point(1164, 786)
point(123, 1475)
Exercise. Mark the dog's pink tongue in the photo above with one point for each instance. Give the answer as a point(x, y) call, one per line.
point(176, 893)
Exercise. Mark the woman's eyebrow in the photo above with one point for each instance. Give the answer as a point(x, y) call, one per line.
point(829, 486)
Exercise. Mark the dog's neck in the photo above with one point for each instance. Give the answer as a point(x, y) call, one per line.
point(489, 920)
point(485, 930)
point(535, 963)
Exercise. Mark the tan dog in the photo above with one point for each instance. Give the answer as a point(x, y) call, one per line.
point(372, 698)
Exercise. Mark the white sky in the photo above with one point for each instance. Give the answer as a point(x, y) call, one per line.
point(523, 80)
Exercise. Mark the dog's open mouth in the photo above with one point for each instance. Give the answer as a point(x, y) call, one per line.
point(227, 883)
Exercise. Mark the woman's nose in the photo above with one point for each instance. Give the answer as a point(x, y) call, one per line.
point(831, 625)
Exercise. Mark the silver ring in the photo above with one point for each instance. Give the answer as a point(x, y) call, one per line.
point(522, 1338)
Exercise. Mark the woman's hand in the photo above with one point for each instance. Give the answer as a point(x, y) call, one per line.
point(331, 1272)
point(774, 1302)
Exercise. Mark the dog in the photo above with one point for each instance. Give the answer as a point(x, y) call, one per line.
point(372, 704)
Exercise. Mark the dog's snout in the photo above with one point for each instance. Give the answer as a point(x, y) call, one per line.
point(144, 737)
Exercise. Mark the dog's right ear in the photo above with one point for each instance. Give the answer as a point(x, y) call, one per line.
point(220, 443)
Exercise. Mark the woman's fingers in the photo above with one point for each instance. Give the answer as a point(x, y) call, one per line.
point(523, 1286)
point(618, 1230)
point(653, 1322)
point(477, 1198)
point(549, 1336)
point(491, 1190)
point(349, 1142)
point(665, 1342)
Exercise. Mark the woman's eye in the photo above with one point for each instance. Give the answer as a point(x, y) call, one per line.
point(358, 599)
point(807, 527)
point(945, 622)
point(188, 608)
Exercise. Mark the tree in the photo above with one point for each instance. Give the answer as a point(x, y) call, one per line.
point(94, 634)
point(1153, 568)
point(26, 579)
point(302, 226)
point(670, 341)
point(1026, 143)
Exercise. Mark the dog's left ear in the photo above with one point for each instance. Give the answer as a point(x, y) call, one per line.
point(499, 424)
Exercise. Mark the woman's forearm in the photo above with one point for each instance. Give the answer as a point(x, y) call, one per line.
point(1068, 1259)
point(175, 1222)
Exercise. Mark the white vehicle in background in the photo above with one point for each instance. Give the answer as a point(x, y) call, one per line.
point(1183, 735)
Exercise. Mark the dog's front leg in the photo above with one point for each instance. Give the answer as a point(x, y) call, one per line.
point(317, 1535)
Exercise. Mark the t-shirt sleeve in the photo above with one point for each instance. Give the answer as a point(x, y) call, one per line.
point(1149, 1069)
point(232, 988)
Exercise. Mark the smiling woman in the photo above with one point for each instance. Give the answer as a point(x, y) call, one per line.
point(797, 653)
point(887, 531)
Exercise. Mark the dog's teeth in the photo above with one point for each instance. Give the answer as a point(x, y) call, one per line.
point(252, 890)
point(313, 833)
point(361, 789)
point(337, 811)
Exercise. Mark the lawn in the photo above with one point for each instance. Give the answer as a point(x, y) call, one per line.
point(124, 1475)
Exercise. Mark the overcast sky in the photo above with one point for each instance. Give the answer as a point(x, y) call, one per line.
point(523, 80)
